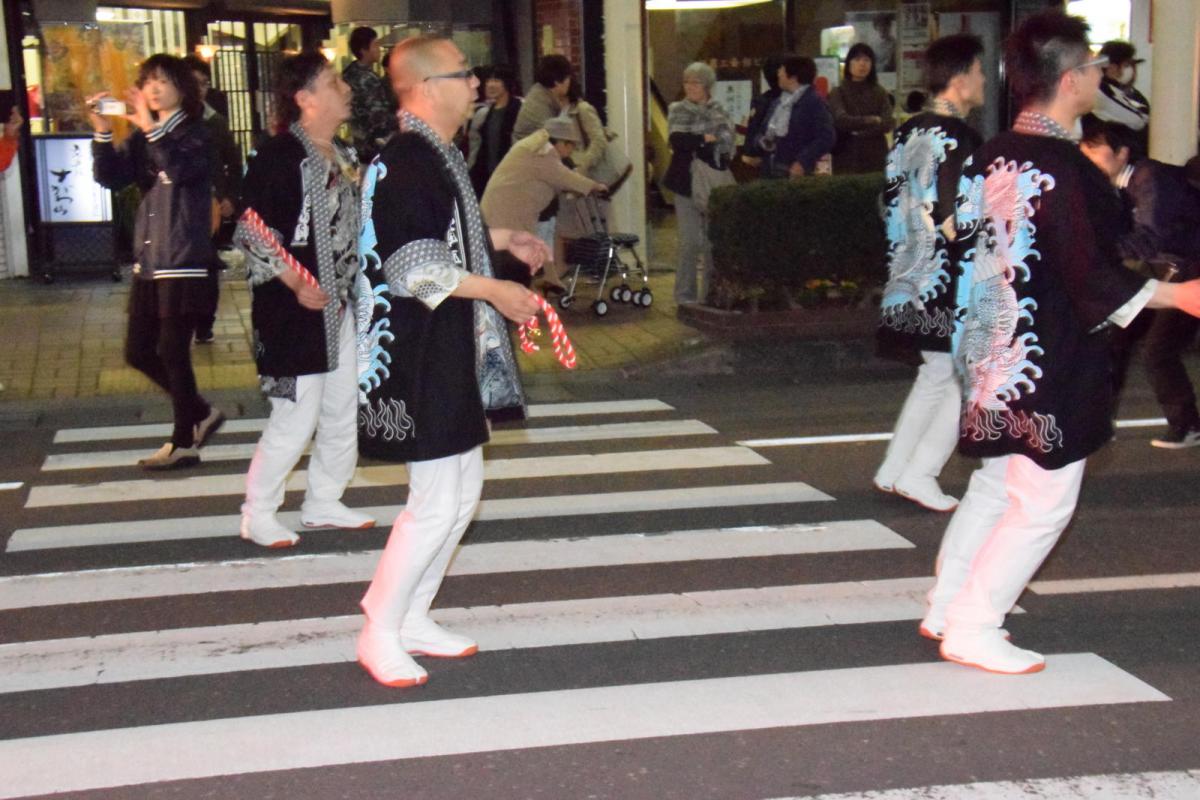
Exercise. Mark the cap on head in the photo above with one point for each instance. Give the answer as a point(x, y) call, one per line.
point(1119, 52)
point(562, 129)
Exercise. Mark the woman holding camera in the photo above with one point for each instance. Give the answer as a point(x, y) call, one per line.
point(169, 157)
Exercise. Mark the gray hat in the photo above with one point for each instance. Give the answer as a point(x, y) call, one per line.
point(562, 128)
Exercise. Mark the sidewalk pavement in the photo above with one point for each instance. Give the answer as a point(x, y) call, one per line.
point(65, 340)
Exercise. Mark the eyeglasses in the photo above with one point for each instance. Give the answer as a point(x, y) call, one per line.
point(467, 73)
point(1101, 61)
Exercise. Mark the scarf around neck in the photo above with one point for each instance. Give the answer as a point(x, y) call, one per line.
point(495, 364)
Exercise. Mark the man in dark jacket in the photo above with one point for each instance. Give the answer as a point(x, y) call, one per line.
point(226, 177)
point(491, 131)
point(303, 186)
point(1165, 200)
point(752, 153)
point(799, 129)
point(439, 356)
point(373, 109)
point(917, 308)
point(1040, 281)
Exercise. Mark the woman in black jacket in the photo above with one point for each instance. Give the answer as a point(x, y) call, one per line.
point(169, 157)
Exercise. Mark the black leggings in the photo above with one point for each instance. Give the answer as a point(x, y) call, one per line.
point(161, 350)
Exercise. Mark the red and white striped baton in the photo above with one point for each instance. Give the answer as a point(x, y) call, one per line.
point(563, 350)
point(252, 220)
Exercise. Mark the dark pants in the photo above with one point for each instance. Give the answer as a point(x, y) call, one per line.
point(1171, 332)
point(1165, 335)
point(161, 350)
point(205, 323)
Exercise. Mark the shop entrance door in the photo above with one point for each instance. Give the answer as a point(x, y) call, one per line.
point(245, 57)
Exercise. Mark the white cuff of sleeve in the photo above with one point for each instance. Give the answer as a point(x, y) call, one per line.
point(102, 137)
point(1125, 314)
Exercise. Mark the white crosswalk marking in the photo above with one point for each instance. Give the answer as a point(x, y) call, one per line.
point(568, 505)
point(535, 411)
point(100, 759)
point(162, 580)
point(499, 438)
point(395, 474)
point(57, 663)
point(1177, 785)
point(94, 633)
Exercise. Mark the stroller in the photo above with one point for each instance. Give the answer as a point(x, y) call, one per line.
point(597, 255)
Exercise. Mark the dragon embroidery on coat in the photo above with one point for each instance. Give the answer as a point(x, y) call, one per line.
point(918, 266)
point(388, 417)
point(998, 362)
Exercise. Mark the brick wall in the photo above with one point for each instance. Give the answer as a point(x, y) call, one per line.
point(565, 20)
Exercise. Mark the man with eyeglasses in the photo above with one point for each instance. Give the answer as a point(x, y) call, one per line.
point(1040, 281)
point(435, 359)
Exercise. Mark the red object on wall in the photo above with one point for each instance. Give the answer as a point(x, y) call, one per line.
point(565, 18)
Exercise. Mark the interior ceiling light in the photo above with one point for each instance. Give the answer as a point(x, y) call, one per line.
point(699, 5)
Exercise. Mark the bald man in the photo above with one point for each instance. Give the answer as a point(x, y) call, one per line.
point(436, 359)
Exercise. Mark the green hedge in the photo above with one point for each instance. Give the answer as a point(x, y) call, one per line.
point(779, 234)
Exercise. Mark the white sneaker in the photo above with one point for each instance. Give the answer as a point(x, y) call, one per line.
point(926, 493)
point(424, 637)
point(990, 651)
point(935, 629)
point(267, 531)
point(334, 515)
point(382, 655)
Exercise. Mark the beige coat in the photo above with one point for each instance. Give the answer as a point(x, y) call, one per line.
point(526, 182)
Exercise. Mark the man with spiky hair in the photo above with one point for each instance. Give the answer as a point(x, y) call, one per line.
point(923, 169)
point(1040, 280)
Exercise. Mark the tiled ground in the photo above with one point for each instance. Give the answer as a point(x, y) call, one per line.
point(65, 339)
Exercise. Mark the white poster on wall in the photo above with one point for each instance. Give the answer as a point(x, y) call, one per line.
point(67, 192)
point(915, 20)
point(735, 97)
point(829, 74)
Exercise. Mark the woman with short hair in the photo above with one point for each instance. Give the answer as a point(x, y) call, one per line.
point(169, 156)
point(698, 128)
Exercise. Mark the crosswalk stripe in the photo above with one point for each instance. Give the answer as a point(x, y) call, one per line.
point(170, 529)
point(255, 425)
point(1117, 583)
point(181, 652)
point(162, 580)
point(1175, 785)
point(143, 489)
point(858, 438)
point(175, 751)
point(510, 436)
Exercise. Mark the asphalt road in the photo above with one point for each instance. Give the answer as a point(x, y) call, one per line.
point(663, 611)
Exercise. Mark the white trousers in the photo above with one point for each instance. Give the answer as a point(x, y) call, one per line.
point(325, 404)
point(443, 495)
point(927, 428)
point(1006, 524)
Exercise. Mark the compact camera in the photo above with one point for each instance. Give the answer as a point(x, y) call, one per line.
point(108, 107)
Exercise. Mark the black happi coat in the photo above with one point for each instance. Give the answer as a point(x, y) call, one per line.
point(424, 376)
point(1040, 277)
point(923, 172)
point(287, 185)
